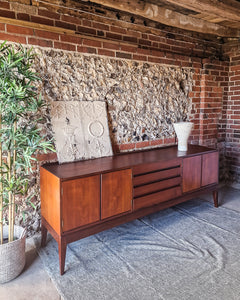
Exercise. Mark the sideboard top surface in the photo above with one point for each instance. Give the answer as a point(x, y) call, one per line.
point(121, 161)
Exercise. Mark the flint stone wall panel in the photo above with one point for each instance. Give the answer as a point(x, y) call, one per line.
point(143, 99)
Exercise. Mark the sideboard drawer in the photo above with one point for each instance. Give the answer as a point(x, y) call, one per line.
point(156, 183)
point(156, 198)
point(156, 186)
point(156, 176)
point(151, 167)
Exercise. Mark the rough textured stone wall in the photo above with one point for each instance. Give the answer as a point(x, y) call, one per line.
point(143, 99)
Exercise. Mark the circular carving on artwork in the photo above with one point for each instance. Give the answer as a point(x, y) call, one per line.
point(96, 129)
point(93, 109)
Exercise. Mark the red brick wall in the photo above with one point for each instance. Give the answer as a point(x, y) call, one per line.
point(38, 26)
point(208, 94)
point(214, 82)
point(232, 112)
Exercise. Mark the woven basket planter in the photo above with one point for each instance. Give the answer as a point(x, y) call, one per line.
point(12, 255)
point(183, 130)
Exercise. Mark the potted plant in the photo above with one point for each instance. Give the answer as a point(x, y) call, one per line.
point(20, 139)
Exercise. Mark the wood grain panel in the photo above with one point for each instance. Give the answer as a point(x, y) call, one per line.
point(156, 198)
point(116, 193)
point(80, 202)
point(50, 199)
point(191, 173)
point(163, 156)
point(156, 186)
point(145, 168)
point(156, 176)
point(210, 168)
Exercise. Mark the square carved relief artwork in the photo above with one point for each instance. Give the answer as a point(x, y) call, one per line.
point(80, 130)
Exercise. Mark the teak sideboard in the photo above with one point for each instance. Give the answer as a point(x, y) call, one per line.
point(82, 198)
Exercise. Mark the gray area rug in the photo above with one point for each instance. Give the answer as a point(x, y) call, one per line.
point(190, 251)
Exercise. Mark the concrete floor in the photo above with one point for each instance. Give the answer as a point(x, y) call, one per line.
point(34, 283)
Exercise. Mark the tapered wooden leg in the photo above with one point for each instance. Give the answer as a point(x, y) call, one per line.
point(44, 235)
point(215, 198)
point(62, 248)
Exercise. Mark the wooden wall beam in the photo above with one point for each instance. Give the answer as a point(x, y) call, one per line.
point(36, 26)
point(169, 17)
point(229, 10)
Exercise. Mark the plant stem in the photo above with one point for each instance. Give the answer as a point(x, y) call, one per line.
point(1, 186)
point(10, 238)
point(14, 174)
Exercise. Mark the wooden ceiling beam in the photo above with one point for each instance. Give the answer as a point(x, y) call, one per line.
point(169, 17)
point(228, 10)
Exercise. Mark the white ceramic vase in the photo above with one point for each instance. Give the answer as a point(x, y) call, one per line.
point(183, 130)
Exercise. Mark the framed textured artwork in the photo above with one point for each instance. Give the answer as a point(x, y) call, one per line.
point(80, 130)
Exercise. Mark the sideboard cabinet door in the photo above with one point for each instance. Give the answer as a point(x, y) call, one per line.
point(116, 193)
point(209, 168)
point(199, 171)
point(80, 202)
point(191, 173)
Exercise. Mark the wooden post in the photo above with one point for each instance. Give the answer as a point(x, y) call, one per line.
point(215, 198)
point(62, 248)
point(44, 235)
